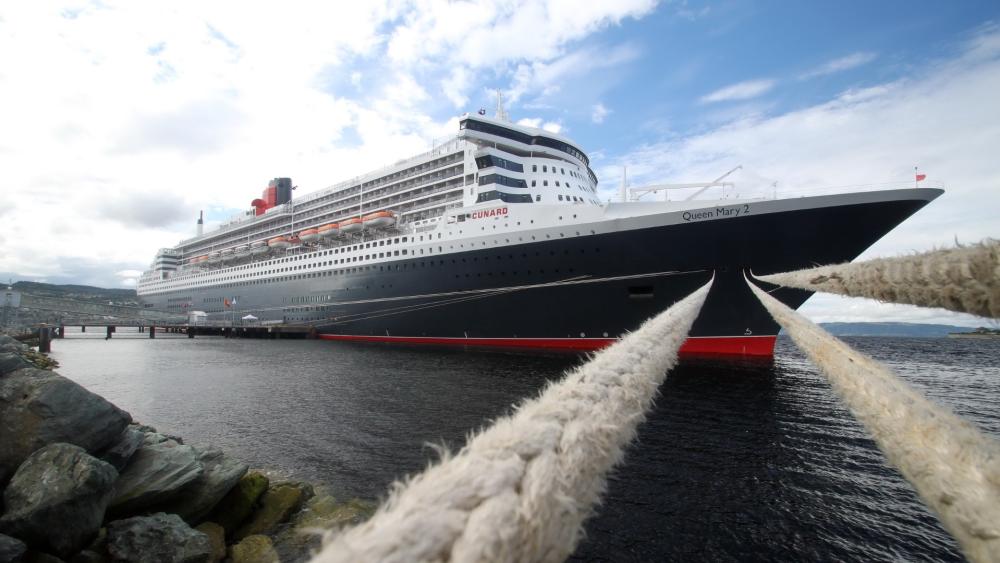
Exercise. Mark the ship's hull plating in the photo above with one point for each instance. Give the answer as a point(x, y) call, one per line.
point(583, 292)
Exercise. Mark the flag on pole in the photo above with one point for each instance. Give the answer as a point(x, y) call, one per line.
point(225, 301)
point(921, 177)
point(918, 175)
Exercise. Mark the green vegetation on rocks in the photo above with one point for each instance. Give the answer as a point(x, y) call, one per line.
point(276, 506)
point(236, 506)
point(217, 535)
point(303, 534)
point(254, 549)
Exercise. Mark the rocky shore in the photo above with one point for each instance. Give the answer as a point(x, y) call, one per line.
point(82, 482)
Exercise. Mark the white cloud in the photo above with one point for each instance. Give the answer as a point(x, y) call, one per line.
point(546, 78)
point(853, 60)
point(598, 113)
point(739, 91)
point(535, 122)
point(552, 127)
point(489, 32)
point(456, 86)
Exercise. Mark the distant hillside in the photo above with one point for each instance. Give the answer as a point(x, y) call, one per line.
point(84, 292)
point(892, 329)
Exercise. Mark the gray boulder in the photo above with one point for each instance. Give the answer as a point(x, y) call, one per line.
point(9, 344)
point(11, 550)
point(220, 474)
point(159, 538)
point(12, 361)
point(88, 556)
point(121, 451)
point(57, 498)
point(39, 407)
point(155, 473)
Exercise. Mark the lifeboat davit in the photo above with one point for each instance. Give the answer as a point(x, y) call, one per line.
point(242, 250)
point(279, 243)
point(329, 230)
point(309, 235)
point(351, 225)
point(201, 259)
point(259, 247)
point(214, 257)
point(228, 253)
point(380, 219)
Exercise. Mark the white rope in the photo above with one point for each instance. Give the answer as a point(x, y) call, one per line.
point(964, 279)
point(953, 466)
point(521, 489)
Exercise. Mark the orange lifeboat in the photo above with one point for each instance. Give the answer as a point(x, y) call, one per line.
point(352, 225)
point(279, 243)
point(329, 230)
point(380, 219)
point(309, 235)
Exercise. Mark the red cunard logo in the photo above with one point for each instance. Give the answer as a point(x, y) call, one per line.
point(489, 213)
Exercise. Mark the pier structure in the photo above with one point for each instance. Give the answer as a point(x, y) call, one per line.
point(88, 314)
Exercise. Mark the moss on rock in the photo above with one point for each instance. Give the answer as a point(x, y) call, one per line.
point(238, 503)
point(254, 549)
point(276, 506)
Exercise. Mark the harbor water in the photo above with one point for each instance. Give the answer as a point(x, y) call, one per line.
point(749, 463)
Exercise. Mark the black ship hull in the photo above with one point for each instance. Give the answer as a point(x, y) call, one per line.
point(583, 292)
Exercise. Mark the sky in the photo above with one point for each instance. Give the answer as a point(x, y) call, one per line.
point(122, 120)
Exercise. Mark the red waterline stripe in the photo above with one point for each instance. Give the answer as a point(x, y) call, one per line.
point(698, 346)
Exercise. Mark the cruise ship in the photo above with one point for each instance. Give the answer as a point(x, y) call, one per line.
point(497, 238)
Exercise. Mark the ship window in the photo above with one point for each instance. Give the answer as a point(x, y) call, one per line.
point(563, 170)
point(557, 182)
point(545, 182)
point(502, 180)
point(640, 292)
point(560, 197)
point(545, 168)
point(538, 198)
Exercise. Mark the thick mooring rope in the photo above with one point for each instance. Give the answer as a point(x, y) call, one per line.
point(953, 466)
point(964, 279)
point(521, 489)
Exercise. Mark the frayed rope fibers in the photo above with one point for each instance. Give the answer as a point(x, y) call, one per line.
point(953, 466)
point(520, 490)
point(964, 279)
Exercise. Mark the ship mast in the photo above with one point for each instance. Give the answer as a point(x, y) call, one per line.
point(501, 112)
